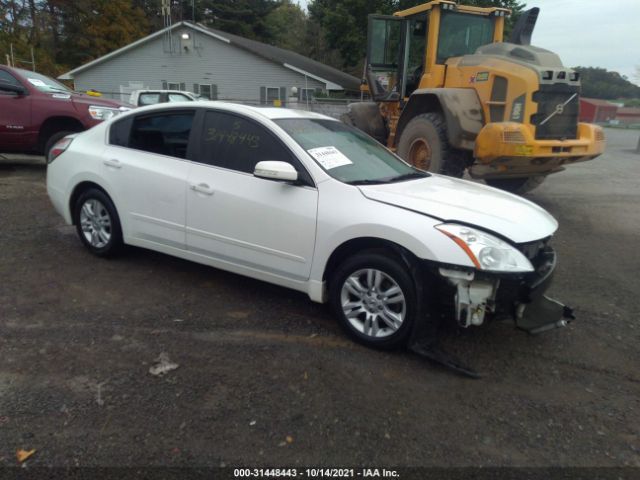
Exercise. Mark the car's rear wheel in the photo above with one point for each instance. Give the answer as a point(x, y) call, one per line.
point(97, 223)
point(374, 297)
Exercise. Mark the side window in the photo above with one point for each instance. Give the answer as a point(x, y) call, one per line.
point(148, 99)
point(230, 141)
point(119, 132)
point(165, 133)
point(178, 97)
point(6, 77)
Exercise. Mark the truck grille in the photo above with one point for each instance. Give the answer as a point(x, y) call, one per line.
point(557, 117)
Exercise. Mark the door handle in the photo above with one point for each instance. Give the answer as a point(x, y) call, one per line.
point(113, 163)
point(202, 188)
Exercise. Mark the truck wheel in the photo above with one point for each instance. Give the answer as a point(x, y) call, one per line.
point(53, 139)
point(374, 298)
point(424, 145)
point(366, 117)
point(516, 185)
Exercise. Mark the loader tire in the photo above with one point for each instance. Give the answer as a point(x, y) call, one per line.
point(366, 117)
point(516, 185)
point(424, 145)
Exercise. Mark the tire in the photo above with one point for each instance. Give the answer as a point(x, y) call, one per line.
point(366, 117)
point(374, 322)
point(97, 223)
point(516, 185)
point(424, 144)
point(52, 140)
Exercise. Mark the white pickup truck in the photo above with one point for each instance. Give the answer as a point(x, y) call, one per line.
point(141, 98)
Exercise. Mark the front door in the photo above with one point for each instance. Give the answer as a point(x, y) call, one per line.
point(235, 217)
point(15, 116)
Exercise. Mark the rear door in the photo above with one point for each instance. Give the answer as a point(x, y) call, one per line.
point(15, 116)
point(146, 165)
point(235, 217)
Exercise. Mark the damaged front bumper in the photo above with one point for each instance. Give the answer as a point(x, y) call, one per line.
point(521, 297)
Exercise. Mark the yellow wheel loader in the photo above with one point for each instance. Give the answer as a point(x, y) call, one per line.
point(449, 95)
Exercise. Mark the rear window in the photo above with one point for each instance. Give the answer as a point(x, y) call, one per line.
point(149, 99)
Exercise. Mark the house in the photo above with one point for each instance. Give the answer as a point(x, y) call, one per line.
point(218, 65)
point(593, 110)
point(628, 115)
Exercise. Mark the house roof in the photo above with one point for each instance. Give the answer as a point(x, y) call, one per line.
point(598, 103)
point(332, 77)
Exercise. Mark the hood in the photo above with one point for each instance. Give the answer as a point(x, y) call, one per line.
point(88, 100)
point(453, 200)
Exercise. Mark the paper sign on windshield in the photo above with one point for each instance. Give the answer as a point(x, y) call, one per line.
point(329, 157)
point(37, 82)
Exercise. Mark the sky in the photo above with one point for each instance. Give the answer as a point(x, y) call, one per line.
point(588, 33)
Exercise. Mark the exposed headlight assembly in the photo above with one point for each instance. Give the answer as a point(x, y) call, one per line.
point(486, 251)
point(105, 113)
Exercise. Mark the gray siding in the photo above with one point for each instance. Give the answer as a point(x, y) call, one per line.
point(238, 74)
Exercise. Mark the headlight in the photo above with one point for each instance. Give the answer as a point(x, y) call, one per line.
point(103, 113)
point(486, 251)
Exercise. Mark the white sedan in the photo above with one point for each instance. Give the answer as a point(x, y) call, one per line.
point(304, 201)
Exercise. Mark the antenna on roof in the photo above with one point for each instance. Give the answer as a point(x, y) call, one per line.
point(165, 9)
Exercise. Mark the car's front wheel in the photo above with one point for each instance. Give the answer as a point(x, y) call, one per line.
point(374, 297)
point(97, 223)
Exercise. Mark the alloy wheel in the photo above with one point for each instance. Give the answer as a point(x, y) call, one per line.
point(373, 303)
point(95, 222)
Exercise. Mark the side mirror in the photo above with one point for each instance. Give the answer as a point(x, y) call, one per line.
point(279, 171)
point(8, 87)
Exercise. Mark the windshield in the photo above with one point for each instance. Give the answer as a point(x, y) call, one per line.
point(462, 33)
point(42, 83)
point(346, 153)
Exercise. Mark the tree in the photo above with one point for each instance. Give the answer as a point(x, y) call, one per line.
point(343, 24)
point(92, 28)
point(286, 26)
point(246, 18)
point(600, 83)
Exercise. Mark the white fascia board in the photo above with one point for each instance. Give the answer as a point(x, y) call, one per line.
point(329, 85)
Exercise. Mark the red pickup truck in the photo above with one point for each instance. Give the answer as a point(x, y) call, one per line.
point(37, 111)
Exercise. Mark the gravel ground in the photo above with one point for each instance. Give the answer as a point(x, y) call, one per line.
point(266, 377)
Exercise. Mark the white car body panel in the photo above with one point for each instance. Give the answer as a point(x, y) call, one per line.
point(454, 200)
point(151, 189)
point(258, 222)
point(271, 231)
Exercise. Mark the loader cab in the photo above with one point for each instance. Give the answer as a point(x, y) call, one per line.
point(409, 49)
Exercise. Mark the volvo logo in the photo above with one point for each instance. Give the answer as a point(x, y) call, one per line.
point(559, 109)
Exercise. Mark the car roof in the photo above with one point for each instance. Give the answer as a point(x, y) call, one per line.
point(271, 113)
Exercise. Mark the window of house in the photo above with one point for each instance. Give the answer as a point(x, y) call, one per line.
point(236, 143)
point(306, 94)
point(208, 91)
point(163, 133)
point(273, 93)
point(173, 86)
